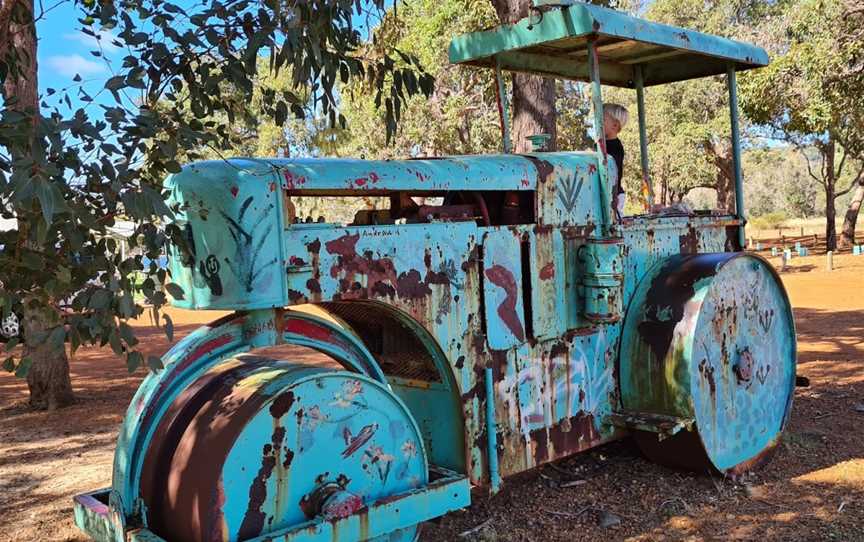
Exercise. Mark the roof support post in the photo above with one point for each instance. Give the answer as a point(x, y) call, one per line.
point(647, 188)
point(736, 151)
point(600, 138)
point(503, 107)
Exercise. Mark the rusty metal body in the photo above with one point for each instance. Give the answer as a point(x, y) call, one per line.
point(507, 320)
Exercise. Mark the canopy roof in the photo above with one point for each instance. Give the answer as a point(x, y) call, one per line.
point(553, 41)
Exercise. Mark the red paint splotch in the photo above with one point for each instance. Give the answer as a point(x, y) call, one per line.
point(306, 329)
point(548, 271)
point(380, 272)
point(503, 278)
point(234, 191)
point(292, 181)
point(382, 280)
point(366, 181)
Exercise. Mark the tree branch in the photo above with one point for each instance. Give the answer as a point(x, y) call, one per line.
point(842, 162)
point(858, 178)
point(810, 169)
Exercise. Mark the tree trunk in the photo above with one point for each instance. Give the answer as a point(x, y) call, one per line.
point(847, 237)
point(533, 102)
point(48, 377)
point(827, 151)
point(721, 155)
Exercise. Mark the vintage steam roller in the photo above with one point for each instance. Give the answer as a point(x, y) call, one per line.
point(488, 315)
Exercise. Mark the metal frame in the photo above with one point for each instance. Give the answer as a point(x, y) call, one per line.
point(600, 139)
point(503, 109)
point(736, 151)
point(643, 134)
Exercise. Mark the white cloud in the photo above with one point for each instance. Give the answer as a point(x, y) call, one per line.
point(70, 65)
point(92, 44)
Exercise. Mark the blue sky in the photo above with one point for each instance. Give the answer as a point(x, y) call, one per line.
point(65, 51)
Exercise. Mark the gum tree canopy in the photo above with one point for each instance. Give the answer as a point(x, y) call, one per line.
point(66, 178)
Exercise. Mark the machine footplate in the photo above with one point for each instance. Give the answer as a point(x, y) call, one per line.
point(664, 426)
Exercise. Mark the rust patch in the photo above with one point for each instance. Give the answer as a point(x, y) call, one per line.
point(411, 286)
point(570, 435)
point(670, 290)
point(314, 249)
point(352, 264)
point(503, 278)
point(688, 243)
point(282, 404)
point(544, 168)
point(253, 521)
point(313, 285)
point(707, 372)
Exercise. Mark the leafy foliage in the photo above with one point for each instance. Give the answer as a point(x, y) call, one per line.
point(810, 95)
point(187, 82)
point(688, 122)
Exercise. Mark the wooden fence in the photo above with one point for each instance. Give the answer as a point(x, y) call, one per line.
point(815, 243)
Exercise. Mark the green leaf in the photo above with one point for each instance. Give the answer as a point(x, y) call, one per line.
point(23, 368)
point(281, 113)
point(64, 275)
point(115, 83)
point(9, 364)
point(155, 363)
point(100, 300)
point(46, 199)
point(169, 327)
point(126, 306)
point(128, 334)
point(32, 261)
point(57, 337)
point(134, 360)
point(114, 341)
point(174, 290)
point(13, 342)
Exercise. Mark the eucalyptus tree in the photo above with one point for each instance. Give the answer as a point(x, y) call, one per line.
point(810, 95)
point(67, 178)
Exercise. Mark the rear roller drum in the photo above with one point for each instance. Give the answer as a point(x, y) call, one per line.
point(709, 340)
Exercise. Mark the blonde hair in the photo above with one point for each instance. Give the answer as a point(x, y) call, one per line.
point(617, 112)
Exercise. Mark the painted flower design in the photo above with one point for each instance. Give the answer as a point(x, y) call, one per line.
point(350, 390)
point(409, 449)
point(382, 460)
point(312, 418)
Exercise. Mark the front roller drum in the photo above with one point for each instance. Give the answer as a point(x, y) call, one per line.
point(709, 348)
point(257, 446)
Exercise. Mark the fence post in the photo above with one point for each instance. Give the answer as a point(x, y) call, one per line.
point(830, 261)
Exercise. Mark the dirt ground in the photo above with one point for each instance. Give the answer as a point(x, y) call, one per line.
point(812, 490)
